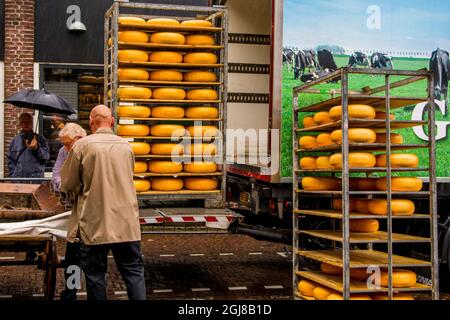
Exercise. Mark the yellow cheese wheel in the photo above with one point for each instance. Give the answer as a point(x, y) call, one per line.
point(395, 138)
point(196, 23)
point(208, 149)
point(364, 225)
point(140, 148)
point(167, 38)
point(320, 183)
point(355, 159)
point(134, 93)
point(169, 94)
point(200, 40)
point(204, 112)
point(397, 296)
point(401, 160)
point(362, 205)
point(356, 135)
point(133, 36)
point(324, 139)
point(200, 76)
point(408, 184)
point(363, 184)
point(321, 118)
point(359, 296)
point(166, 75)
point(323, 162)
point(167, 130)
point(400, 207)
point(202, 131)
point(330, 269)
point(166, 149)
point(308, 142)
point(401, 278)
point(141, 185)
point(133, 111)
point(306, 287)
point(308, 122)
point(322, 293)
point(164, 167)
point(200, 58)
point(167, 184)
point(167, 112)
point(132, 74)
point(355, 111)
point(202, 94)
point(200, 184)
point(335, 296)
point(382, 115)
point(165, 57)
point(200, 167)
point(337, 204)
point(139, 130)
point(133, 56)
point(140, 167)
point(308, 163)
point(134, 20)
point(163, 22)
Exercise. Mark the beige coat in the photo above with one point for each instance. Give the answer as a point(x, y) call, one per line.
point(98, 174)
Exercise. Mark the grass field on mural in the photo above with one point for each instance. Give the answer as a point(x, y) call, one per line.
point(356, 82)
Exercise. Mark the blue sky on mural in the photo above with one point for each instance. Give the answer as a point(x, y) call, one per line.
point(414, 25)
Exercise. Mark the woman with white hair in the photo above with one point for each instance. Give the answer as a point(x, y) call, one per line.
point(68, 135)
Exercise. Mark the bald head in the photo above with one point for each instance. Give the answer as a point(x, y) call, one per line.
point(100, 117)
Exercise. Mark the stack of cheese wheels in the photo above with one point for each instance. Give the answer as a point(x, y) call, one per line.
point(355, 111)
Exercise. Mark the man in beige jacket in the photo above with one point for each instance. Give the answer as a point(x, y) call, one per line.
point(98, 174)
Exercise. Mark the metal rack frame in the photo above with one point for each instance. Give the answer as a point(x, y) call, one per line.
point(344, 236)
point(219, 16)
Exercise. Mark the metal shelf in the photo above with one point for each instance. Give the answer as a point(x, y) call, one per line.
point(334, 214)
point(363, 238)
point(364, 123)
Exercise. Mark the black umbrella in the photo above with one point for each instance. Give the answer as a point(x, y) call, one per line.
point(41, 100)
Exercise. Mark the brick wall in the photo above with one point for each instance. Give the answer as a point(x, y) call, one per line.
point(19, 58)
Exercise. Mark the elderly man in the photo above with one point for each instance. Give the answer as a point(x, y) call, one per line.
point(98, 173)
point(28, 151)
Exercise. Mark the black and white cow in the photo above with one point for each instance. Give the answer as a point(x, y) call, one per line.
point(326, 60)
point(440, 66)
point(381, 61)
point(304, 59)
point(288, 58)
point(358, 59)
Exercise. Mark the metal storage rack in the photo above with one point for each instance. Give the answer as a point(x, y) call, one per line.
point(218, 16)
point(342, 246)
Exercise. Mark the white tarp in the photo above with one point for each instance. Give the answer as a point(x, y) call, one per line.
point(55, 225)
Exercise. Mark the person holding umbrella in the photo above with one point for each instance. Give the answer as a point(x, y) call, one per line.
point(28, 151)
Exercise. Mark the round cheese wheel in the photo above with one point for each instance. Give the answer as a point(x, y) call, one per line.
point(359, 296)
point(395, 138)
point(202, 131)
point(355, 111)
point(397, 296)
point(335, 296)
point(87, 79)
point(133, 111)
point(202, 94)
point(401, 278)
point(165, 57)
point(323, 162)
point(362, 205)
point(86, 88)
point(166, 149)
point(169, 94)
point(200, 40)
point(141, 185)
point(204, 112)
point(382, 116)
point(132, 56)
point(321, 118)
point(167, 130)
point(364, 225)
point(196, 23)
point(132, 74)
point(168, 112)
point(320, 183)
point(337, 204)
point(306, 287)
point(166, 75)
point(200, 58)
point(134, 20)
point(330, 269)
point(407, 184)
point(164, 167)
point(167, 38)
point(356, 135)
point(400, 207)
point(200, 76)
point(163, 22)
point(140, 167)
point(200, 167)
point(308, 163)
point(133, 36)
point(207, 149)
point(401, 160)
point(322, 293)
point(355, 159)
point(140, 148)
point(134, 93)
point(200, 184)
point(363, 184)
point(308, 122)
point(324, 139)
point(139, 130)
point(308, 142)
point(167, 184)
